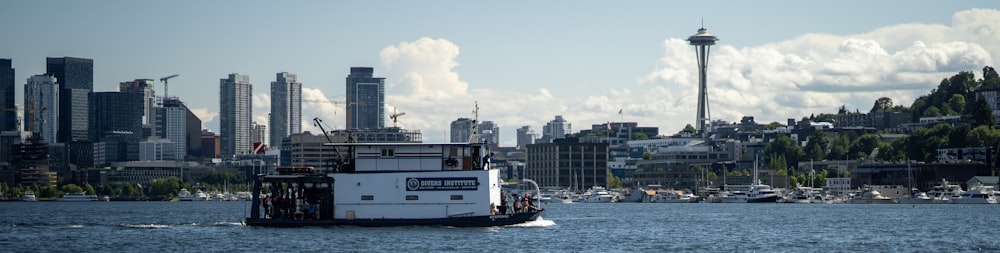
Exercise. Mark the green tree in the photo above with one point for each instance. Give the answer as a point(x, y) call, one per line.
point(71, 188)
point(776, 161)
point(932, 112)
point(983, 136)
point(89, 189)
point(164, 188)
point(129, 191)
point(882, 104)
point(980, 114)
point(991, 80)
point(784, 145)
point(923, 143)
point(864, 145)
point(773, 125)
point(957, 103)
point(614, 182)
point(48, 191)
point(647, 156)
point(839, 147)
point(817, 146)
point(688, 129)
point(640, 136)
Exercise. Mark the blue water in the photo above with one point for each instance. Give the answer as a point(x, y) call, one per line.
point(637, 227)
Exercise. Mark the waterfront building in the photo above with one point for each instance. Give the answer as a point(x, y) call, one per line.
point(210, 144)
point(365, 99)
point(617, 133)
point(142, 90)
point(8, 110)
point(556, 129)
point(41, 110)
point(920, 175)
point(235, 97)
point(286, 107)
point(461, 130)
point(137, 173)
point(525, 136)
point(157, 149)
point(568, 163)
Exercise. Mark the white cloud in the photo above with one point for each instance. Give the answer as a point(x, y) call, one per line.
point(205, 115)
point(812, 73)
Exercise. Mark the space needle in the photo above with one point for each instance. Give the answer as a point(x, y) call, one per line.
point(702, 41)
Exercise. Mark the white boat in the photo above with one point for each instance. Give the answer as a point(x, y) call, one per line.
point(805, 195)
point(916, 198)
point(30, 196)
point(977, 194)
point(733, 197)
point(201, 196)
point(671, 196)
point(597, 194)
point(78, 196)
point(393, 184)
point(185, 195)
point(945, 192)
point(871, 196)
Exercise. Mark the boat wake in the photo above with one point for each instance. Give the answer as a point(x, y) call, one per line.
point(227, 224)
point(146, 226)
point(539, 223)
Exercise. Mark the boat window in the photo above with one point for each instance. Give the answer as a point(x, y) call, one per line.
point(411, 197)
point(388, 152)
point(367, 197)
point(457, 197)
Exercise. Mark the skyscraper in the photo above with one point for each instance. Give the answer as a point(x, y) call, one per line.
point(286, 107)
point(461, 130)
point(234, 114)
point(489, 132)
point(702, 42)
point(117, 114)
point(8, 115)
point(142, 89)
point(171, 124)
point(365, 99)
point(76, 81)
point(41, 107)
point(525, 136)
point(555, 129)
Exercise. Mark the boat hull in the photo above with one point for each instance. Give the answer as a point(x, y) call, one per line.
point(472, 221)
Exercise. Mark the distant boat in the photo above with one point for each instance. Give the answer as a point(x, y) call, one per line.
point(185, 195)
point(977, 194)
point(78, 196)
point(30, 196)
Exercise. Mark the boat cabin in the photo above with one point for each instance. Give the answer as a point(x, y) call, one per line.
point(412, 157)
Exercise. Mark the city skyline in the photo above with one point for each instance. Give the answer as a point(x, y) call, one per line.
point(584, 61)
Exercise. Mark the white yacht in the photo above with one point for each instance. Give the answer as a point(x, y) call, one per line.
point(185, 195)
point(597, 194)
point(945, 192)
point(977, 194)
point(733, 197)
point(917, 197)
point(672, 196)
point(29, 196)
point(871, 196)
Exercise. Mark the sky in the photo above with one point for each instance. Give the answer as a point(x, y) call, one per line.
point(523, 62)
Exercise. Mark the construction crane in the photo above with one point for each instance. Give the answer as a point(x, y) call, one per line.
point(340, 158)
point(395, 116)
point(164, 80)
